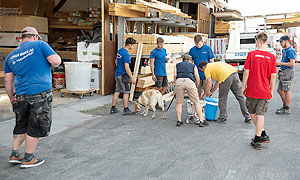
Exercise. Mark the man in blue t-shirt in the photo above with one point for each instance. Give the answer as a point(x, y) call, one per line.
point(27, 68)
point(122, 76)
point(158, 66)
point(285, 75)
point(201, 52)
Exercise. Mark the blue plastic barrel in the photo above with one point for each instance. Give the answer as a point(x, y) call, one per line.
point(211, 108)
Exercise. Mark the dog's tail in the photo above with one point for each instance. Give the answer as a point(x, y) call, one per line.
point(160, 102)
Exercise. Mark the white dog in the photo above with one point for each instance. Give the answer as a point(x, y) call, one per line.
point(190, 108)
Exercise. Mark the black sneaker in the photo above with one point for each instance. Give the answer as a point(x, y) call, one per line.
point(201, 124)
point(222, 120)
point(113, 110)
point(247, 120)
point(128, 112)
point(32, 163)
point(179, 123)
point(256, 145)
point(265, 139)
point(205, 123)
point(280, 109)
point(283, 111)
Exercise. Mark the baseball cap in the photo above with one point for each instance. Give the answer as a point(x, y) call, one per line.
point(30, 30)
point(284, 38)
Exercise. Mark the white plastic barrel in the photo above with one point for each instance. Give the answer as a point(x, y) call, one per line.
point(78, 76)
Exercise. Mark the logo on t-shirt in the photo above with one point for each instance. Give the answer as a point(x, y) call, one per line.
point(21, 56)
point(261, 56)
point(204, 52)
point(119, 56)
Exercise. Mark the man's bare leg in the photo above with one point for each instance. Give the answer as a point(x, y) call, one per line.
point(18, 139)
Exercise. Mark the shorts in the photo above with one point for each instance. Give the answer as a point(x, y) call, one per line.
point(161, 81)
point(202, 86)
point(33, 114)
point(257, 106)
point(123, 83)
point(186, 84)
point(285, 78)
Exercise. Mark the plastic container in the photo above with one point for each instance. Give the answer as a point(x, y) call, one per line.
point(78, 76)
point(212, 108)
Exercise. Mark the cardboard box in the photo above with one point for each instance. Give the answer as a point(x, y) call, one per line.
point(17, 23)
point(72, 55)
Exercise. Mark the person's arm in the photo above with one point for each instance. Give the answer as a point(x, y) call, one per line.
point(54, 60)
point(272, 83)
point(175, 75)
point(196, 74)
point(216, 86)
point(9, 85)
point(208, 88)
point(152, 68)
point(128, 71)
point(116, 62)
point(289, 64)
point(245, 80)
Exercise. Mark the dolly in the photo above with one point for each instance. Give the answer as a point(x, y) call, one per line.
point(80, 93)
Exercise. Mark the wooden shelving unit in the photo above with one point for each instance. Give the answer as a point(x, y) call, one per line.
point(69, 27)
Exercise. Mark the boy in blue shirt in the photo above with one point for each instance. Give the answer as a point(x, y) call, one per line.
point(201, 52)
point(122, 76)
point(158, 66)
point(286, 75)
point(27, 68)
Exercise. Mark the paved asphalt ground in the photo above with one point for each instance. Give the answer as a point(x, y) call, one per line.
point(117, 147)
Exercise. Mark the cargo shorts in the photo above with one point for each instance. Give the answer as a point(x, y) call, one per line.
point(257, 106)
point(123, 83)
point(285, 78)
point(161, 81)
point(33, 114)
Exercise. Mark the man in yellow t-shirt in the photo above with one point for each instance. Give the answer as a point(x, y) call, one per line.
point(227, 79)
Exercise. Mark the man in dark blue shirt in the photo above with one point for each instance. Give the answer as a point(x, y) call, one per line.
point(286, 74)
point(27, 68)
point(158, 66)
point(122, 76)
point(201, 52)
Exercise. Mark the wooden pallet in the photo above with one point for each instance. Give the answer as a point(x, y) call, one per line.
point(80, 93)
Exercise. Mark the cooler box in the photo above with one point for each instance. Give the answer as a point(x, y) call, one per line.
point(212, 108)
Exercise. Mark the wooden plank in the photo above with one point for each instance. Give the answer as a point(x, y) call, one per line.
point(168, 97)
point(136, 69)
point(137, 89)
point(58, 26)
point(17, 23)
point(283, 20)
point(126, 13)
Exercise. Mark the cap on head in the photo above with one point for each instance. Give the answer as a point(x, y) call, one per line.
point(30, 30)
point(284, 38)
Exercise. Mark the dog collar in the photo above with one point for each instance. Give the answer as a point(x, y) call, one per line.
point(139, 104)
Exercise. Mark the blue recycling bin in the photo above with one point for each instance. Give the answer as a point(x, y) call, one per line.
point(211, 108)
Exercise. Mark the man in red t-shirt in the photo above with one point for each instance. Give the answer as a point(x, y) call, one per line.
point(258, 85)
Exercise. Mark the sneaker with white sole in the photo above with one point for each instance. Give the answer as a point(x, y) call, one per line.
point(15, 159)
point(32, 163)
